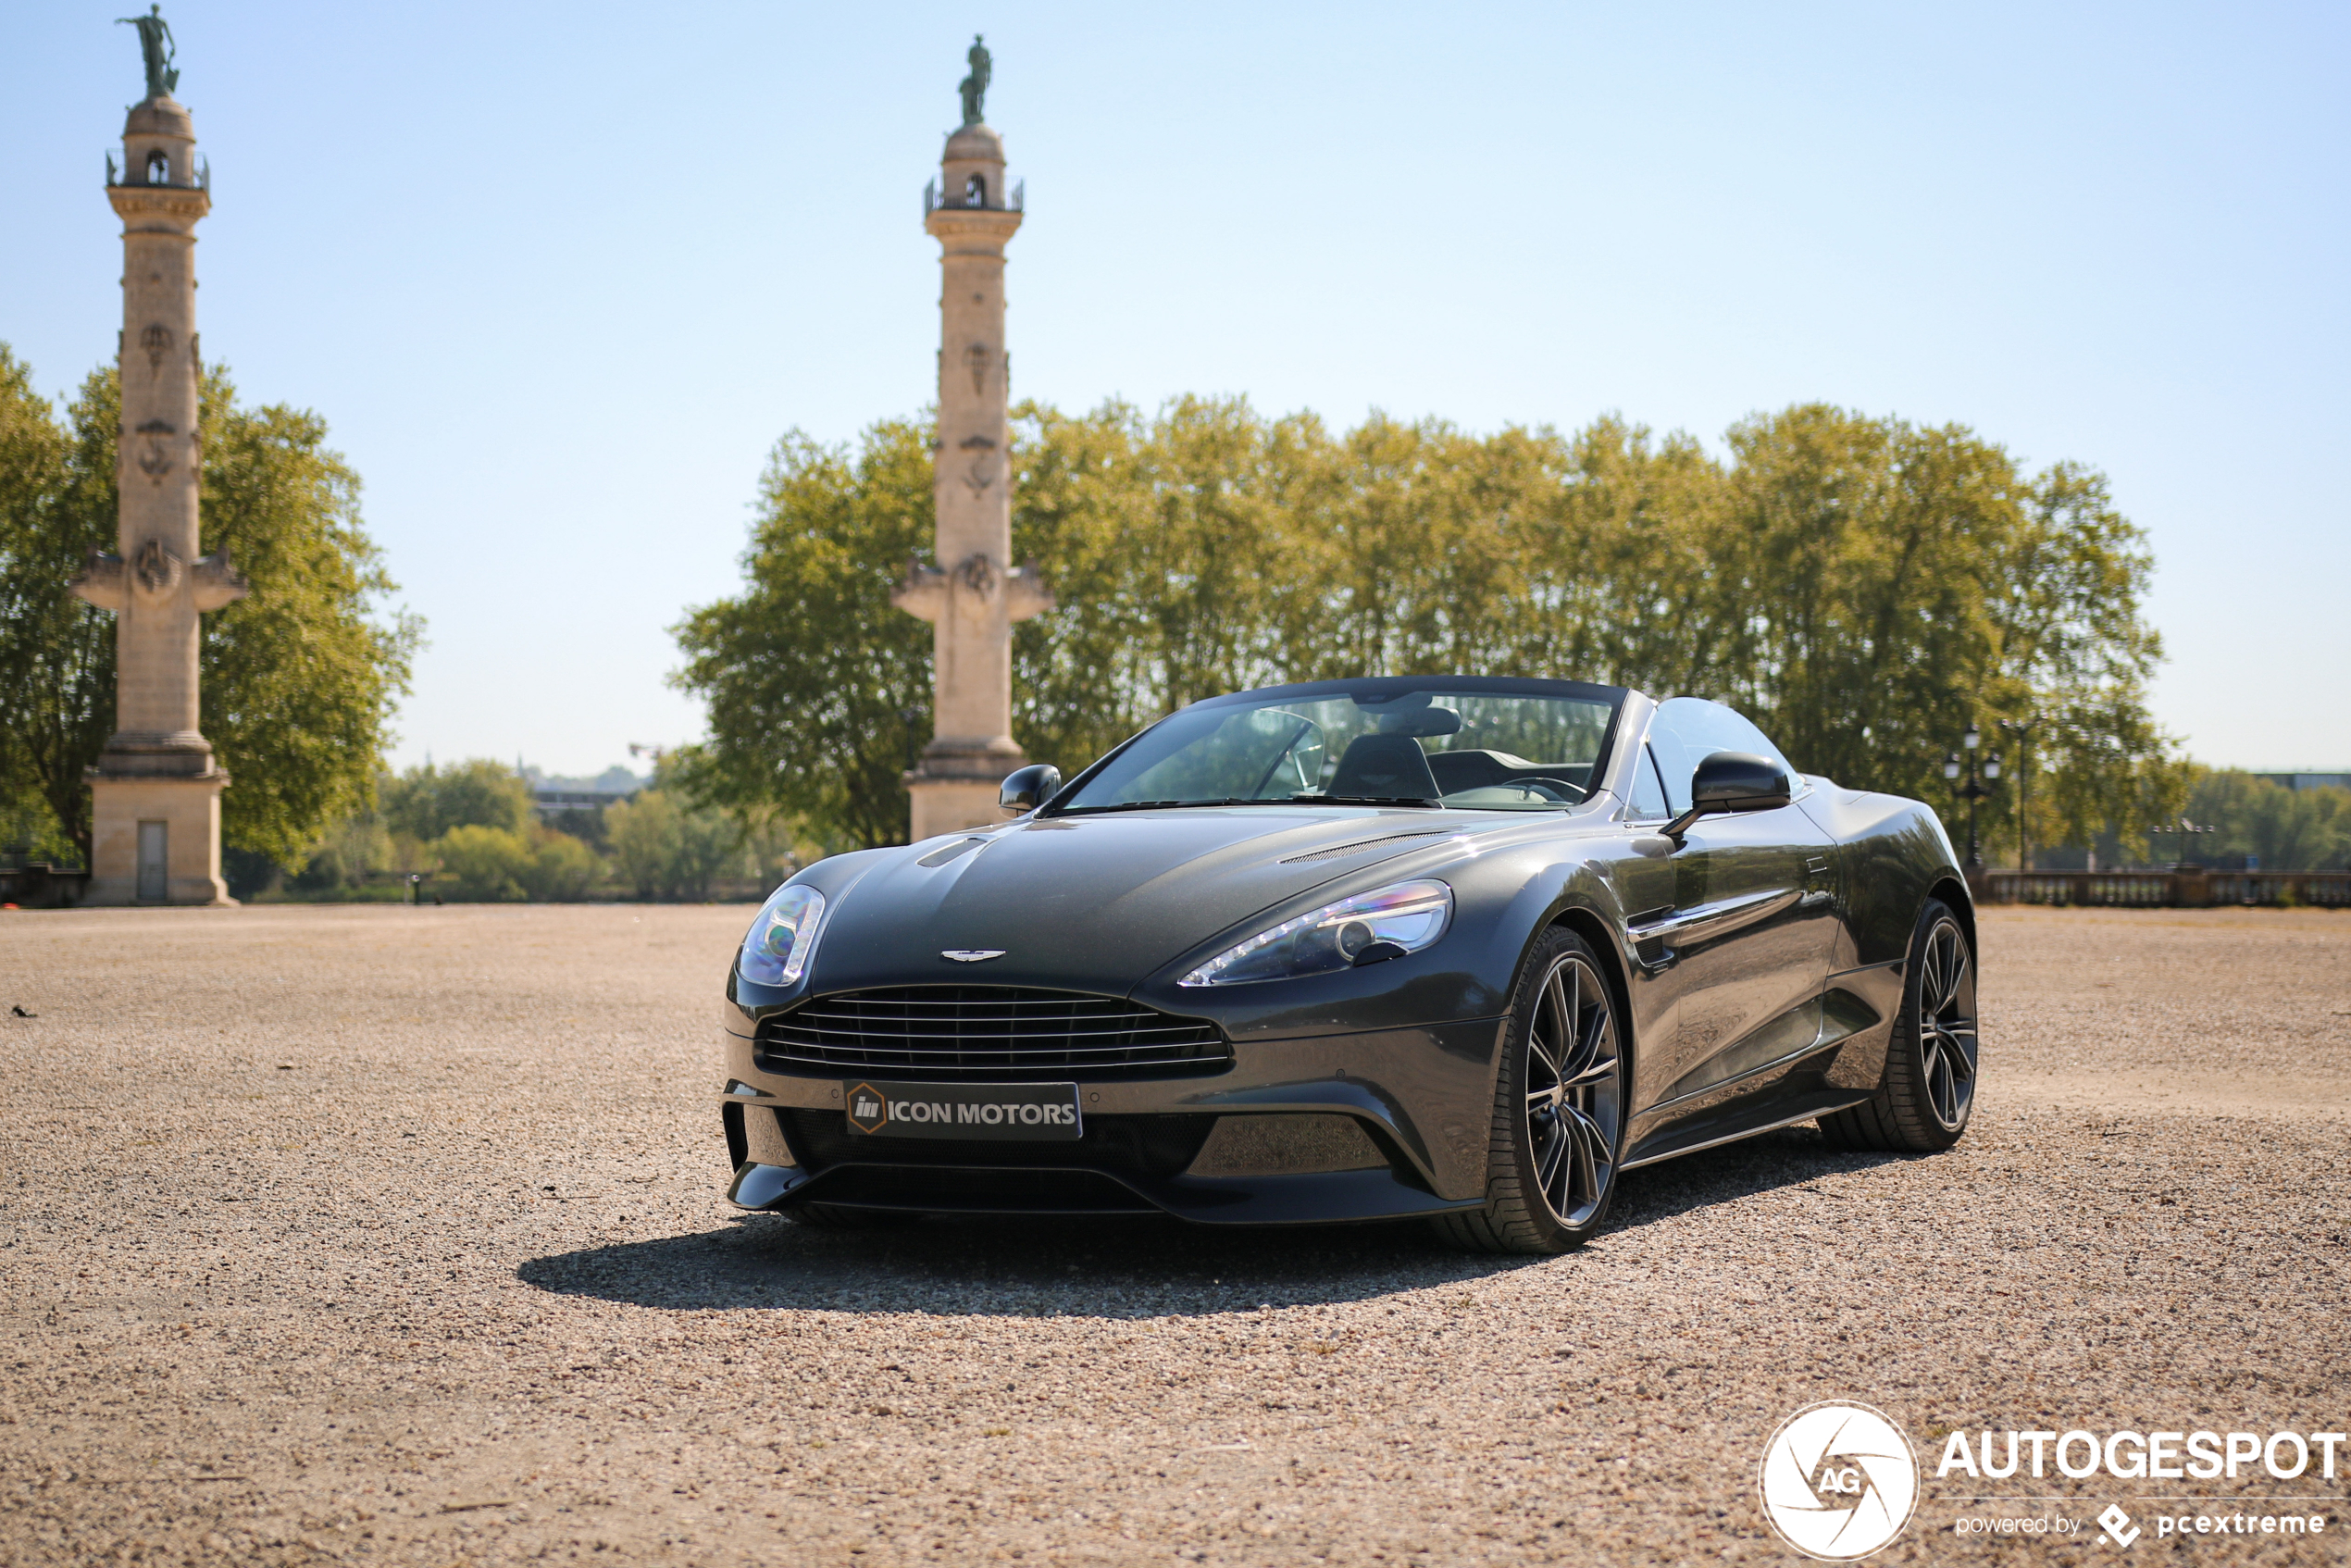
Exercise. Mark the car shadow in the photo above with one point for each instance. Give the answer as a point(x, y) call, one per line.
point(1125, 1267)
point(1768, 1163)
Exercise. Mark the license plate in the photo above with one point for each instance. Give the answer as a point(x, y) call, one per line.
point(1025, 1113)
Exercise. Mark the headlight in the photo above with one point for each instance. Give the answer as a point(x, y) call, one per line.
point(1408, 916)
point(783, 938)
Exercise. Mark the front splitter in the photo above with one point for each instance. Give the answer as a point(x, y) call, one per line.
point(1325, 1197)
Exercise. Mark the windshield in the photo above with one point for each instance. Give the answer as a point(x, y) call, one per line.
point(1484, 751)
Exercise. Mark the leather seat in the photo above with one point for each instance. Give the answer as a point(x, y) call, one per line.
point(1384, 765)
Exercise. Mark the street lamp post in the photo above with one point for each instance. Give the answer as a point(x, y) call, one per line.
point(2020, 730)
point(2184, 829)
point(1974, 790)
point(911, 717)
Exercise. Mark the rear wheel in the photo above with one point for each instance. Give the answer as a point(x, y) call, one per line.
point(1928, 1093)
point(1558, 1110)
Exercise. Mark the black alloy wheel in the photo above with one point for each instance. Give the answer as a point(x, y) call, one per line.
point(1928, 1093)
point(1946, 1026)
point(1558, 1110)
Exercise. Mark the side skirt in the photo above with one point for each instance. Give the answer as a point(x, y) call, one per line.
point(1689, 1140)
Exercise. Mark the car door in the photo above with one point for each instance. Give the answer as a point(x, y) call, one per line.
point(1744, 950)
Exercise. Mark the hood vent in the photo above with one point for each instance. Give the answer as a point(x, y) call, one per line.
point(941, 856)
point(1359, 845)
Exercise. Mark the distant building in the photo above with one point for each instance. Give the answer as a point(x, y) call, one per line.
point(550, 803)
point(553, 796)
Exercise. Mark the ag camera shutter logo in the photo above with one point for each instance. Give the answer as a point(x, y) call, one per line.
point(1839, 1481)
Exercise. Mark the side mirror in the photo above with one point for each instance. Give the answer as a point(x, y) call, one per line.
point(1028, 787)
point(1731, 781)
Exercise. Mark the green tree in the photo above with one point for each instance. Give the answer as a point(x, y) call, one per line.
point(488, 862)
point(2076, 654)
point(1163, 542)
point(666, 848)
point(1872, 587)
point(498, 865)
point(809, 674)
point(2290, 829)
point(57, 652)
point(562, 869)
point(1864, 587)
point(812, 673)
point(428, 800)
point(300, 678)
point(345, 853)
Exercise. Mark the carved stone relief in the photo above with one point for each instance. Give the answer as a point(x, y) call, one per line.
point(156, 339)
point(155, 460)
point(979, 575)
point(977, 358)
point(157, 568)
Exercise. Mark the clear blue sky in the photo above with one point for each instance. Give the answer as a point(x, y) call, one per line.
point(559, 275)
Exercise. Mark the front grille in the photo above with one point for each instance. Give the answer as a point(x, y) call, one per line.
point(986, 1034)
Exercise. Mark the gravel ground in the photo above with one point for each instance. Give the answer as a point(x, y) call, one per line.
point(396, 1235)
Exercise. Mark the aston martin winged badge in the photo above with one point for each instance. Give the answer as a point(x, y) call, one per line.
point(972, 954)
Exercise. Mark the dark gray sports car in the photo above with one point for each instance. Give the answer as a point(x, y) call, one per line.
point(1446, 946)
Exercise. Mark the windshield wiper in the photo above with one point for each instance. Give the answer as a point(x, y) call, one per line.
point(1121, 805)
point(1253, 801)
point(1161, 805)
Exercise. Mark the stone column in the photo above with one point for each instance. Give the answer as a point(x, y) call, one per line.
point(156, 792)
point(974, 594)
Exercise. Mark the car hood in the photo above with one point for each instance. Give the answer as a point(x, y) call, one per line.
point(1100, 904)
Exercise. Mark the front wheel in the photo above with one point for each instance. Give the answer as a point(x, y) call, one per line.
point(1923, 1103)
point(1558, 1110)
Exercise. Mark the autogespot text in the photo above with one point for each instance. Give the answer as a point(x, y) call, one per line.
point(2133, 1456)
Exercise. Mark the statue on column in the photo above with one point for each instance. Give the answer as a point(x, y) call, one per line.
point(158, 49)
point(974, 87)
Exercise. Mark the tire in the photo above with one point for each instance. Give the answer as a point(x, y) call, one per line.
point(1928, 1093)
point(1558, 1109)
point(833, 1216)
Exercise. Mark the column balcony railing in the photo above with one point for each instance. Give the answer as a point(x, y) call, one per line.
point(136, 179)
point(2181, 888)
point(936, 200)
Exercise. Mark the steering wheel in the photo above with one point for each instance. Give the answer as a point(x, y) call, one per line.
point(1558, 788)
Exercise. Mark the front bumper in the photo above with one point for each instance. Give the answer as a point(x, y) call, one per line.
point(1418, 1102)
